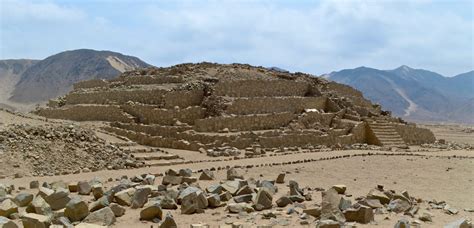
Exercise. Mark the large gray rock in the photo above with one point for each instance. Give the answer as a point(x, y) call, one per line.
point(97, 191)
point(140, 197)
point(263, 199)
point(58, 199)
point(173, 180)
point(240, 207)
point(185, 172)
point(233, 174)
point(283, 201)
point(151, 212)
point(31, 220)
point(76, 210)
point(193, 202)
point(327, 223)
point(125, 197)
point(231, 186)
point(381, 196)
point(103, 217)
point(7, 223)
point(330, 206)
point(8, 207)
point(149, 179)
point(206, 175)
point(214, 200)
point(168, 222)
point(399, 205)
point(23, 199)
point(84, 188)
point(99, 204)
point(39, 206)
point(118, 210)
point(402, 223)
point(315, 211)
point(363, 215)
point(294, 188)
point(243, 198)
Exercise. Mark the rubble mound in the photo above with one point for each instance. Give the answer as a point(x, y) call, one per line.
point(66, 148)
point(217, 107)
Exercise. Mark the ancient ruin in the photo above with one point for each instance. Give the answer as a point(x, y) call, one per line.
point(211, 106)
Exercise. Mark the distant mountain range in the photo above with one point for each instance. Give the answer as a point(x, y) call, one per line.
point(29, 82)
point(414, 94)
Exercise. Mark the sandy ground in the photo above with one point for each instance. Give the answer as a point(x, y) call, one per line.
point(441, 175)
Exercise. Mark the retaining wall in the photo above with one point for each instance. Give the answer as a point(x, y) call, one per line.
point(244, 123)
point(149, 114)
point(261, 88)
point(116, 97)
point(90, 84)
point(414, 135)
point(260, 105)
point(87, 113)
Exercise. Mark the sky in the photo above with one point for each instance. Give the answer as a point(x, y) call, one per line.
point(315, 37)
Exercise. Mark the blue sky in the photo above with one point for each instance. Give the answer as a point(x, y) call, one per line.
point(309, 36)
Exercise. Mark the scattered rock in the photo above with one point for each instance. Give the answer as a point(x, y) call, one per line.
point(283, 201)
point(140, 197)
point(280, 179)
point(363, 215)
point(168, 222)
point(206, 175)
point(340, 189)
point(103, 217)
point(76, 210)
point(8, 207)
point(23, 199)
point(118, 210)
point(31, 220)
point(151, 212)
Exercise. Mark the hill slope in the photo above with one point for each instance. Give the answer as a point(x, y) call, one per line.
point(415, 94)
point(10, 74)
point(55, 75)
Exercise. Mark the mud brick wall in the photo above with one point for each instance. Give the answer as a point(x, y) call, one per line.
point(413, 135)
point(153, 130)
point(244, 123)
point(87, 113)
point(260, 105)
point(149, 114)
point(116, 97)
point(183, 98)
point(261, 88)
point(146, 80)
point(90, 84)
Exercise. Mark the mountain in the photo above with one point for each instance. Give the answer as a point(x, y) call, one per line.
point(415, 94)
point(55, 75)
point(10, 74)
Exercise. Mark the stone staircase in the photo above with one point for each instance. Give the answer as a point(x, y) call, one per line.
point(386, 134)
point(156, 157)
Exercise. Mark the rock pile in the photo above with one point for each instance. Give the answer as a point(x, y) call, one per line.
point(68, 149)
point(88, 203)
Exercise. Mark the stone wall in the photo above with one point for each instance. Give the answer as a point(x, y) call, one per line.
point(261, 88)
point(414, 135)
point(87, 113)
point(150, 114)
point(183, 98)
point(146, 80)
point(244, 123)
point(260, 105)
point(310, 119)
point(116, 97)
point(90, 84)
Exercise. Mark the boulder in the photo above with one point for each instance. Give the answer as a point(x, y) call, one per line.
point(30, 220)
point(233, 174)
point(76, 210)
point(193, 202)
point(7, 223)
point(399, 205)
point(344, 204)
point(185, 172)
point(330, 206)
point(214, 188)
point(269, 185)
point(84, 188)
point(140, 197)
point(426, 217)
point(103, 217)
point(44, 192)
point(39, 206)
point(206, 175)
point(151, 212)
point(239, 207)
point(363, 214)
point(72, 186)
point(23, 199)
point(263, 199)
point(58, 199)
point(8, 207)
point(231, 186)
point(283, 201)
point(166, 202)
point(381, 196)
point(124, 197)
point(244, 190)
point(294, 188)
point(340, 188)
point(149, 179)
point(225, 196)
point(327, 223)
point(214, 200)
point(34, 184)
point(281, 178)
point(173, 180)
point(97, 191)
point(373, 203)
point(460, 223)
point(118, 210)
point(315, 211)
point(168, 222)
point(243, 198)
point(99, 204)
